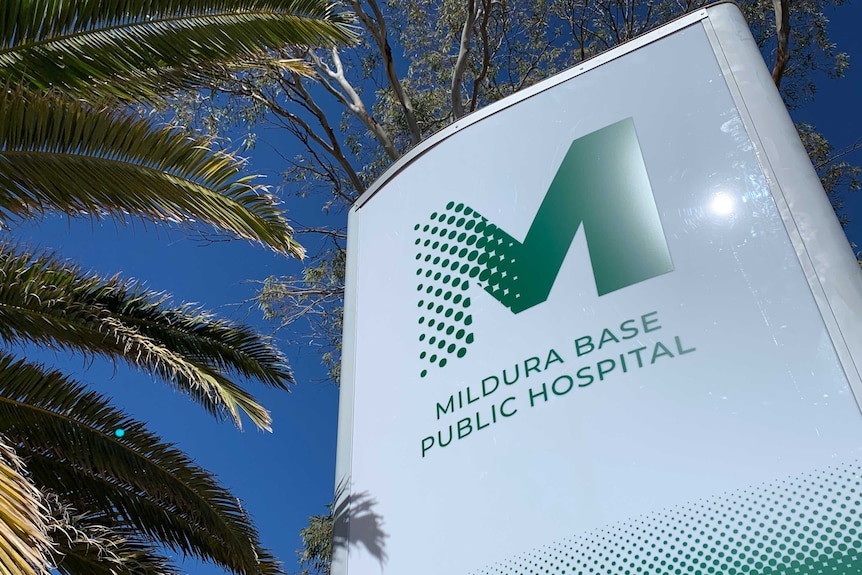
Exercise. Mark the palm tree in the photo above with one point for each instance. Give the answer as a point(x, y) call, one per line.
point(74, 495)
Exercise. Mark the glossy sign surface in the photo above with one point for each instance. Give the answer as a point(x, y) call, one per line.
point(580, 340)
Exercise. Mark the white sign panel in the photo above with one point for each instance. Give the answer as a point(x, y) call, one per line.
point(588, 332)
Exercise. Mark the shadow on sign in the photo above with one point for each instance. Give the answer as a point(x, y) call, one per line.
point(355, 523)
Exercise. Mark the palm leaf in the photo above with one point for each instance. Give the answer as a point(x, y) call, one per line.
point(89, 543)
point(153, 520)
point(135, 481)
point(24, 544)
point(111, 48)
point(55, 304)
point(63, 156)
point(108, 553)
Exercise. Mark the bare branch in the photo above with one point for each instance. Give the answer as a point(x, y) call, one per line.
point(461, 62)
point(486, 55)
point(857, 145)
point(297, 122)
point(377, 27)
point(782, 26)
point(334, 234)
point(322, 119)
point(350, 97)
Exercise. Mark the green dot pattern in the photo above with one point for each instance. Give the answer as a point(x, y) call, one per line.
point(458, 248)
point(810, 524)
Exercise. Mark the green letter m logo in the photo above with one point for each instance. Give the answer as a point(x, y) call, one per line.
point(602, 186)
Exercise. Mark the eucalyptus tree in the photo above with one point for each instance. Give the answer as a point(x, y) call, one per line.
point(75, 495)
point(422, 64)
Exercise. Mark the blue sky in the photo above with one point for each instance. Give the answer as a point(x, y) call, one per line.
point(282, 477)
point(287, 475)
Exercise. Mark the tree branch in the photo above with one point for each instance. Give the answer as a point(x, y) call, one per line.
point(331, 147)
point(857, 145)
point(335, 146)
point(486, 55)
point(350, 97)
point(782, 27)
point(377, 27)
point(461, 62)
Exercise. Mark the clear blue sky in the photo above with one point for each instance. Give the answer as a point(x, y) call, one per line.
point(285, 476)
point(282, 477)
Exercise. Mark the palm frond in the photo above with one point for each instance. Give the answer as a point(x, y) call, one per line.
point(111, 48)
point(151, 519)
point(89, 543)
point(24, 543)
point(206, 75)
point(105, 552)
point(63, 156)
point(55, 304)
point(135, 481)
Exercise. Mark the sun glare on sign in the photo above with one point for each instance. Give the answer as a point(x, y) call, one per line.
point(722, 204)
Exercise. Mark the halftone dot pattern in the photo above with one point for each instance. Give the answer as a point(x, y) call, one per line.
point(457, 248)
point(809, 524)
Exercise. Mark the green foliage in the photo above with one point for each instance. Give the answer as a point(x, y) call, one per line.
point(837, 175)
point(72, 493)
point(320, 290)
point(134, 483)
point(813, 54)
point(55, 304)
point(456, 57)
point(316, 554)
point(144, 49)
point(69, 157)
